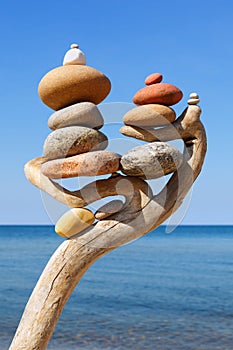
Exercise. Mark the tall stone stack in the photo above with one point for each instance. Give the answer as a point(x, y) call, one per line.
point(153, 112)
point(76, 147)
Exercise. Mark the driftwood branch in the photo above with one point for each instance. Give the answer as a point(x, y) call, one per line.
point(141, 213)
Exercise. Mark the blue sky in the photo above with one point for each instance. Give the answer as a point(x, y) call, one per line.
point(190, 43)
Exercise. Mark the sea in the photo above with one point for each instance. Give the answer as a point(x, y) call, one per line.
point(161, 292)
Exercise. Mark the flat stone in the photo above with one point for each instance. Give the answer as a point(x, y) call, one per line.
point(193, 101)
point(82, 114)
point(108, 209)
point(164, 94)
point(151, 161)
point(153, 78)
point(70, 84)
point(150, 115)
point(85, 164)
point(74, 221)
point(73, 140)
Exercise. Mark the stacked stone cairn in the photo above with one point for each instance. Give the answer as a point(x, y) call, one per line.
point(77, 147)
point(158, 158)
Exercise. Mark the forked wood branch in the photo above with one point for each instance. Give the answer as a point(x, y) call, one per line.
point(142, 212)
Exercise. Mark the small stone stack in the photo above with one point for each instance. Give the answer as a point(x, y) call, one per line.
point(157, 158)
point(76, 147)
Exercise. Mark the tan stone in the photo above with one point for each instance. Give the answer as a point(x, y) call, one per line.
point(193, 101)
point(85, 164)
point(70, 84)
point(74, 221)
point(150, 115)
point(108, 209)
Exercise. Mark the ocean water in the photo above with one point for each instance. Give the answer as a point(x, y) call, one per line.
point(161, 292)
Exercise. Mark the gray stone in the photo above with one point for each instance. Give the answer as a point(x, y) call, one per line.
point(82, 114)
point(151, 160)
point(73, 140)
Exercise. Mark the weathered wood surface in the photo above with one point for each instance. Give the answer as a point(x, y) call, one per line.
point(141, 213)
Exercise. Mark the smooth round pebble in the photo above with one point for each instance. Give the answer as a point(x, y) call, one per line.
point(73, 140)
point(108, 209)
point(193, 95)
point(165, 94)
point(70, 84)
point(153, 78)
point(151, 161)
point(74, 221)
point(85, 164)
point(150, 115)
point(81, 114)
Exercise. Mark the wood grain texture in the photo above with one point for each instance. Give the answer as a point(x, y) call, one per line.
point(142, 212)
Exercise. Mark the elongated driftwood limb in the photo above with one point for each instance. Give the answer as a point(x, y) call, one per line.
point(141, 214)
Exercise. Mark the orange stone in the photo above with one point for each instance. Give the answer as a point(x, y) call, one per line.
point(164, 94)
point(70, 84)
point(153, 78)
point(85, 164)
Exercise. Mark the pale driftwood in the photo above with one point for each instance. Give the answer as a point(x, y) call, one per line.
point(141, 214)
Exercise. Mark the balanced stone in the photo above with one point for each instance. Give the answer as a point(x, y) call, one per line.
point(194, 99)
point(85, 164)
point(108, 209)
point(153, 78)
point(73, 140)
point(74, 56)
point(150, 115)
point(70, 84)
point(74, 221)
point(165, 94)
point(151, 161)
point(82, 114)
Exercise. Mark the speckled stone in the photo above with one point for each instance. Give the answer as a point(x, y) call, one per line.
point(85, 164)
point(164, 94)
point(151, 161)
point(150, 115)
point(70, 84)
point(74, 221)
point(73, 140)
point(82, 114)
point(108, 209)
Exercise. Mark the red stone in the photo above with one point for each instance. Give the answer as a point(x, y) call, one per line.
point(153, 78)
point(164, 94)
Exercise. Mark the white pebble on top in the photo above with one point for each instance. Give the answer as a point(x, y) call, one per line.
point(74, 56)
point(193, 99)
point(193, 95)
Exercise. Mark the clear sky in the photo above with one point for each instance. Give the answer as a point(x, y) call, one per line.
point(190, 43)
